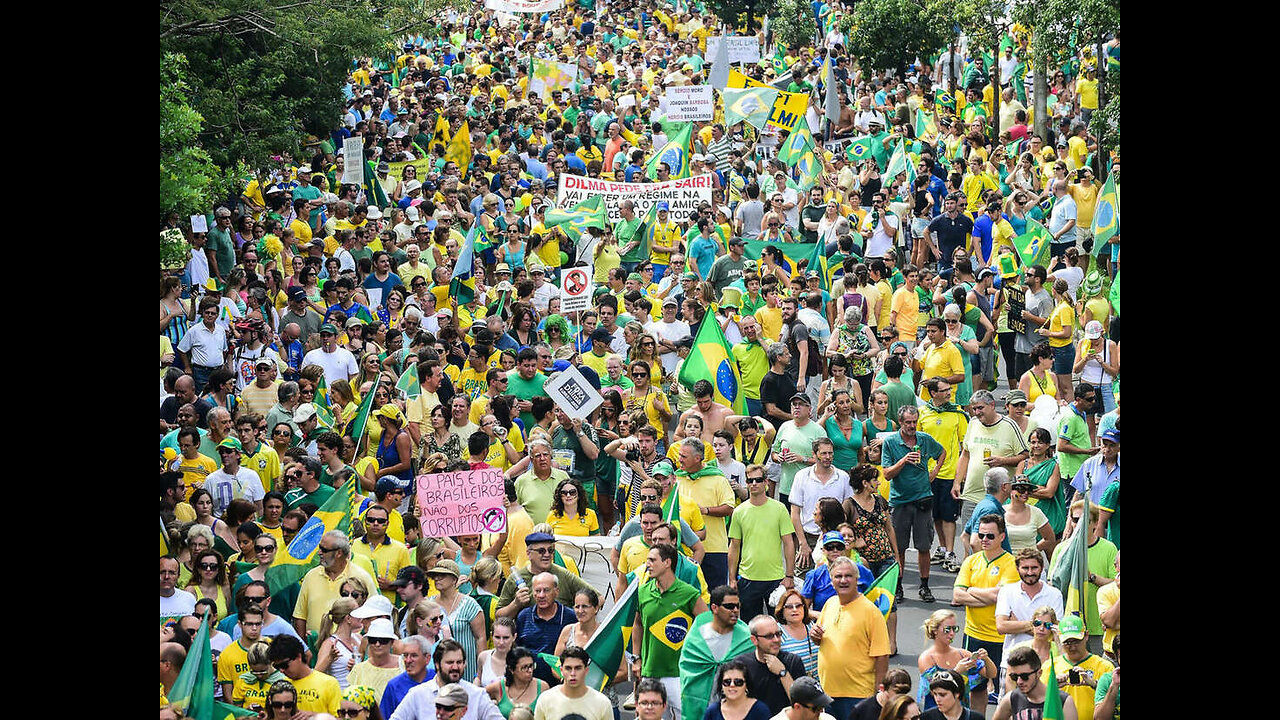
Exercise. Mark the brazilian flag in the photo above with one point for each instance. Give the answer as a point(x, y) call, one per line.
point(302, 555)
point(463, 283)
point(373, 192)
point(944, 99)
point(1033, 245)
point(1106, 216)
point(752, 104)
point(574, 221)
point(675, 154)
point(712, 359)
point(860, 149)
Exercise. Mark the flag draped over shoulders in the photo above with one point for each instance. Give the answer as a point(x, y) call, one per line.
point(699, 665)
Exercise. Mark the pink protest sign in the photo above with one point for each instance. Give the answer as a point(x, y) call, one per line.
point(461, 503)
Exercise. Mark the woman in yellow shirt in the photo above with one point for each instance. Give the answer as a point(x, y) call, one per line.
point(1059, 332)
point(1038, 381)
point(569, 512)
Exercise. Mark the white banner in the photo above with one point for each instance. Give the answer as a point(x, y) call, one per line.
point(683, 196)
point(689, 102)
point(353, 161)
point(524, 6)
point(741, 49)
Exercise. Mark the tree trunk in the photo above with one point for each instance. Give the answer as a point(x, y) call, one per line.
point(995, 100)
point(1040, 103)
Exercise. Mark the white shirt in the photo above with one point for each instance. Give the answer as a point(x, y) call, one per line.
point(207, 347)
point(198, 267)
point(880, 242)
point(338, 365)
point(807, 490)
point(863, 119)
point(671, 332)
point(542, 296)
point(178, 604)
point(1064, 209)
point(1013, 599)
point(420, 703)
point(225, 487)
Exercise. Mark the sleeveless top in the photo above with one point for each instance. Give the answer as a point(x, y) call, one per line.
point(488, 676)
point(220, 601)
point(388, 456)
point(176, 328)
point(505, 706)
point(925, 698)
point(1047, 386)
point(1092, 372)
point(1023, 709)
point(854, 340)
point(338, 667)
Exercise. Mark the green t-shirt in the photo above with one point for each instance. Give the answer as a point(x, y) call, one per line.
point(219, 241)
point(571, 114)
point(326, 479)
point(760, 559)
point(1076, 431)
point(526, 390)
point(912, 482)
point(625, 231)
point(900, 395)
point(1104, 686)
point(1110, 501)
point(297, 496)
point(665, 618)
point(800, 441)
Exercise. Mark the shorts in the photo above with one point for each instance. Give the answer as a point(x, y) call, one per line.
point(914, 521)
point(966, 513)
point(945, 507)
point(1056, 249)
point(917, 227)
point(995, 652)
point(1063, 358)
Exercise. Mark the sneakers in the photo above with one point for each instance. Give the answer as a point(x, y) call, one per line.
point(939, 554)
point(926, 595)
point(630, 703)
point(950, 563)
point(993, 698)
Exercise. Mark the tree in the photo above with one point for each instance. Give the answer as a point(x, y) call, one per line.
point(732, 13)
point(263, 75)
point(889, 34)
point(793, 24)
point(190, 182)
point(985, 22)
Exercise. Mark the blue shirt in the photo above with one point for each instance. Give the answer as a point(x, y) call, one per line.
point(703, 252)
point(541, 636)
point(982, 231)
point(912, 482)
point(350, 312)
point(292, 356)
point(987, 506)
point(392, 280)
point(818, 588)
point(575, 164)
point(1101, 477)
point(397, 688)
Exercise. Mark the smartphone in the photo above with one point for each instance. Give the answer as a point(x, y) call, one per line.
point(1073, 676)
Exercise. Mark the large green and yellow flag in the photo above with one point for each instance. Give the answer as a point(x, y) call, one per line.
point(675, 154)
point(926, 126)
point(360, 423)
point(408, 384)
point(459, 149)
point(900, 162)
point(818, 261)
point(1106, 216)
point(373, 193)
point(1033, 245)
point(860, 149)
point(462, 284)
point(192, 693)
point(882, 591)
point(575, 221)
point(1052, 700)
point(791, 148)
point(302, 555)
point(752, 104)
point(712, 359)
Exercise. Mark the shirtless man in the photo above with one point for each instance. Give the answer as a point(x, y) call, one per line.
point(714, 415)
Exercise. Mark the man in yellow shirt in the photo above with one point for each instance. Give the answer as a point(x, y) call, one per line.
point(321, 585)
point(708, 488)
point(1078, 145)
point(905, 308)
point(852, 639)
point(234, 659)
point(937, 357)
point(317, 692)
point(386, 555)
point(947, 423)
point(600, 352)
point(193, 465)
point(770, 316)
point(1087, 92)
point(1079, 678)
point(1085, 192)
point(977, 586)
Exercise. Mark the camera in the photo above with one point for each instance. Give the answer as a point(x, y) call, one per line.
point(633, 455)
point(1073, 676)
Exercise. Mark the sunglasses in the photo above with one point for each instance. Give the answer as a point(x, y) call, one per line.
point(279, 705)
point(730, 606)
point(351, 713)
point(733, 682)
point(380, 641)
point(986, 536)
point(351, 594)
point(1042, 623)
point(264, 548)
point(208, 566)
point(1021, 676)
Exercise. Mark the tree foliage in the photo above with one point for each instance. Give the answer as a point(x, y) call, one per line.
point(264, 73)
point(190, 182)
point(888, 34)
point(739, 14)
point(792, 23)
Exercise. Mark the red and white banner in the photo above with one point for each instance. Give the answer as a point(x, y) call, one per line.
point(524, 6)
point(682, 196)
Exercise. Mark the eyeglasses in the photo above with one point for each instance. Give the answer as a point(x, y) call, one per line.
point(264, 548)
point(1042, 623)
point(986, 536)
point(952, 322)
point(733, 682)
point(777, 634)
point(650, 703)
point(793, 606)
point(380, 641)
point(1021, 676)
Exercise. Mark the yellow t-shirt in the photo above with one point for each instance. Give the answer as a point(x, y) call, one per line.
point(597, 362)
point(854, 635)
point(1077, 152)
point(907, 304)
point(318, 692)
point(941, 361)
point(301, 231)
point(885, 289)
point(1083, 695)
point(266, 463)
point(948, 428)
point(632, 555)
point(1086, 201)
point(1108, 595)
point(387, 558)
point(578, 526)
point(233, 661)
point(195, 471)
point(318, 593)
point(1063, 316)
point(1088, 91)
point(710, 492)
point(977, 572)
point(770, 320)
point(497, 456)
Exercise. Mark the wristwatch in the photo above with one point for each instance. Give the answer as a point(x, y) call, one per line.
point(783, 673)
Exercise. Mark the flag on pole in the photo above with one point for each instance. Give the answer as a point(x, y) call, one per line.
point(408, 384)
point(926, 126)
point(791, 148)
point(720, 66)
point(440, 134)
point(574, 221)
point(300, 556)
point(373, 192)
point(832, 109)
point(671, 507)
point(1052, 709)
point(712, 359)
point(1033, 245)
point(818, 261)
point(675, 154)
point(881, 593)
point(1106, 216)
point(192, 693)
point(459, 149)
point(608, 644)
point(860, 149)
point(1071, 576)
point(462, 285)
point(899, 163)
point(321, 398)
point(360, 423)
point(752, 104)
